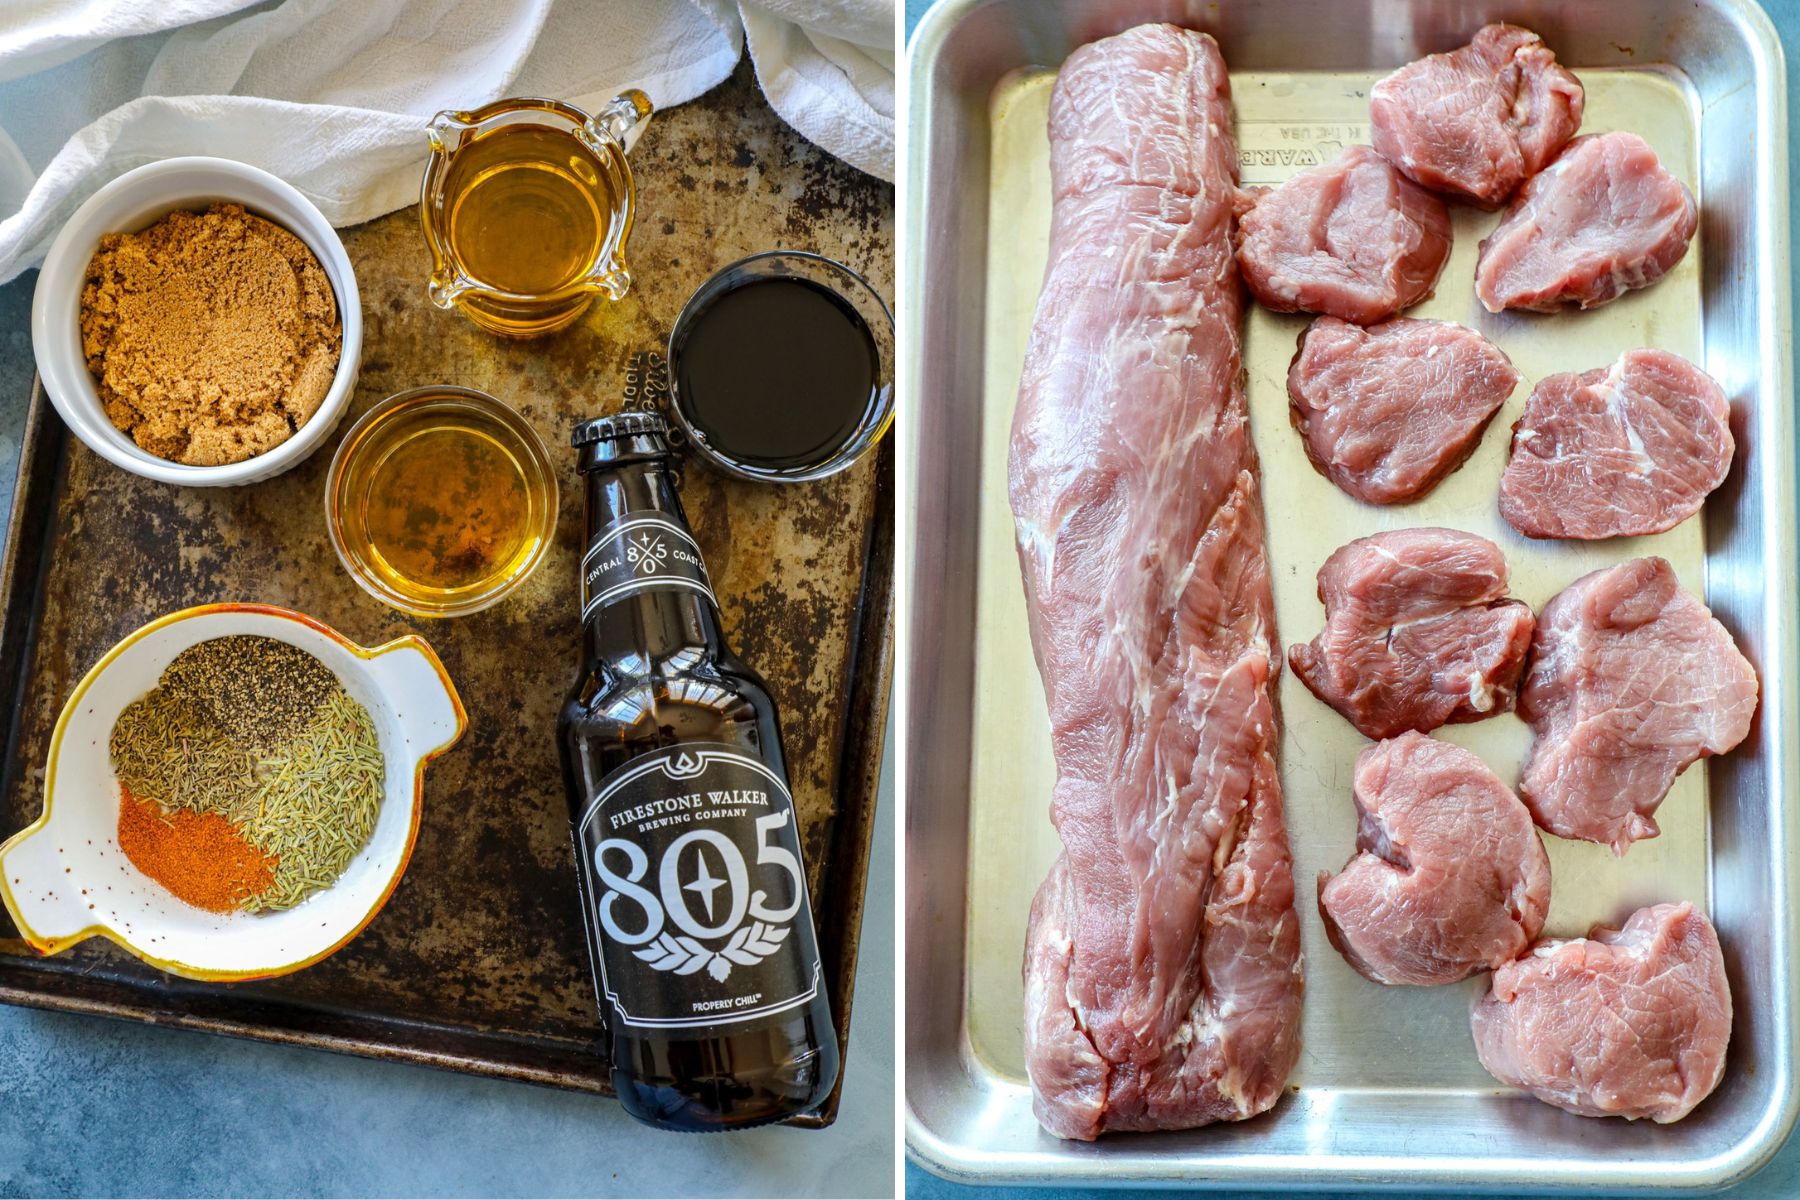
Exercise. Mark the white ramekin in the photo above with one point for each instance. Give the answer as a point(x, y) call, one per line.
point(134, 201)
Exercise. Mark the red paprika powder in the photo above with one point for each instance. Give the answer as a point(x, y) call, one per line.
point(200, 857)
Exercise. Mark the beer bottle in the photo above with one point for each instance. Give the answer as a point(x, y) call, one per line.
point(693, 891)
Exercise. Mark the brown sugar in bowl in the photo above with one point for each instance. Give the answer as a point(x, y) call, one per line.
point(213, 336)
point(131, 203)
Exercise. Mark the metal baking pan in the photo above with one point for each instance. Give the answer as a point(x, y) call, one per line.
point(1388, 1092)
point(478, 962)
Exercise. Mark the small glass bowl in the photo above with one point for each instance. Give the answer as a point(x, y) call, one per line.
point(490, 437)
point(854, 290)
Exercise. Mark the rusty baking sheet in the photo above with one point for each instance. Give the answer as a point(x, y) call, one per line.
point(478, 962)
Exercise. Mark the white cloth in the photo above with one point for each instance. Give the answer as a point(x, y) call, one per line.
point(827, 66)
point(332, 95)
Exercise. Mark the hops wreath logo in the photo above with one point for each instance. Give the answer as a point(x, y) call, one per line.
point(683, 955)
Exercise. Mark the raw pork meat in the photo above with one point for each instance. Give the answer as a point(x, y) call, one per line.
point(1628, 1022)
point(1354, 239)
point(1418, 632)
point(1604, 218)
point(1387, 411)
point(1478, 121)
point(1449, 876)
point(1631, 680)
point(1618, 451)
point(1162, 961)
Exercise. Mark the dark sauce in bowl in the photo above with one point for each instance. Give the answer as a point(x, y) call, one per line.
point(776, 375)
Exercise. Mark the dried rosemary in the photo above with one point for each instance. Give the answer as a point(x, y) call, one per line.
point(262, 734)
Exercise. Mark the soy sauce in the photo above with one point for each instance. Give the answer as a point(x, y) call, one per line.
point(776, 373)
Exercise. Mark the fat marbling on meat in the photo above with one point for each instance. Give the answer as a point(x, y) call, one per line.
point(1449, 877)
point(1618, 451)
point(1630, 1022)
point(1631, 680)
point(1604, 218)
point(1387, 411)
point(1353, 239)
point(1162, 961)
point(1419, 632)
point(1479, 120)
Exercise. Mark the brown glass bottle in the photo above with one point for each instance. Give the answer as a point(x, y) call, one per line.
point(693, 892)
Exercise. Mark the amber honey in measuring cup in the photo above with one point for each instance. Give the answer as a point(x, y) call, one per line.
point(527, 205)
point(440, 501)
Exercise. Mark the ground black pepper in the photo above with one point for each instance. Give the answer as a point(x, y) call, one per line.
point(256, 689)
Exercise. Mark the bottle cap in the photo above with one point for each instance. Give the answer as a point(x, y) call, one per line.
point(634, 436)
point(619, 425)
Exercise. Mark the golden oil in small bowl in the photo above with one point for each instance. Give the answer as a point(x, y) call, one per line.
point(440, 501)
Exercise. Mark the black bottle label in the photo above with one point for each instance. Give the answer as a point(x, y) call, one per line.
point(639, 553)
point(691, 860)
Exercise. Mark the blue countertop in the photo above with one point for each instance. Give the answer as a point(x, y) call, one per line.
point(1781, 1179)
point(93, 1107)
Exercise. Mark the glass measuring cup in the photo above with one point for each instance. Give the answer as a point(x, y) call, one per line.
point(527, 205)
